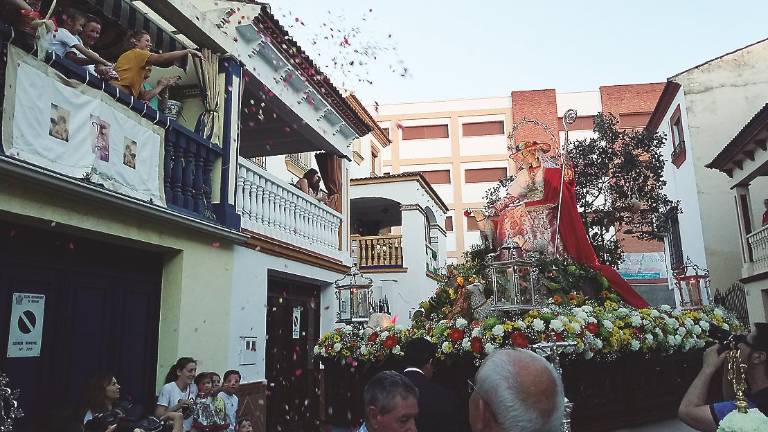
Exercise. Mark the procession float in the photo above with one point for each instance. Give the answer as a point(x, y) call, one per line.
point(534, 283)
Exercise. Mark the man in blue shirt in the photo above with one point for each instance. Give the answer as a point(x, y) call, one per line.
point(695, 411)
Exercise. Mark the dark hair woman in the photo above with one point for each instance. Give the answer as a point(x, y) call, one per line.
point(309, 183)
point(101, 395)
point(179, 392)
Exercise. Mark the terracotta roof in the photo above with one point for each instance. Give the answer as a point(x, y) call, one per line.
point(732, 152)
point(414, 175)
point(363, 112)
point(314, 76)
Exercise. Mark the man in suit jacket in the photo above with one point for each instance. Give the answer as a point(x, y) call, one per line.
point(439, 408)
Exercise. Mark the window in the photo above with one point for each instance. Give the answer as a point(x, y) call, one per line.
point(437, 177)
point(386, 132)
point(449, 223)
point(425, 132)
point(472, 224)
point(633, 120)
point(482, 128)
point(483, 175)
point(676, 259)
point(678, 138)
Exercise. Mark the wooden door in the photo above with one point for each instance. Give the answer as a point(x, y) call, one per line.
point(293, 323)
point(101, 315)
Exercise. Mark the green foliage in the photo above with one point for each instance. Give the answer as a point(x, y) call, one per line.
point(619, 186)
point(567, 282)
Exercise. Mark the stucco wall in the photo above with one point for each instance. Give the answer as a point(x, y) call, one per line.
point(720, 98)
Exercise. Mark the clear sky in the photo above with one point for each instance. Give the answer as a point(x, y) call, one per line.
point(463, 49)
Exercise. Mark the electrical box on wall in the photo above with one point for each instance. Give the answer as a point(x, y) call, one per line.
point(248, 352)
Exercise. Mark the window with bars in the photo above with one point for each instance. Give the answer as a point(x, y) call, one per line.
point(260, 161)
point(301, 160)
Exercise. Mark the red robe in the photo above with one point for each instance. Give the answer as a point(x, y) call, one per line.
point(574, 237)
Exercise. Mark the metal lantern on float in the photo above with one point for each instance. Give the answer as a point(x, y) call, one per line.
point(692, 283)
point(353, 293)
point(513, 280)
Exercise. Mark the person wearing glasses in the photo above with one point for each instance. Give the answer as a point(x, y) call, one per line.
point(694, 409)
point(516, 391)
point(439, 409)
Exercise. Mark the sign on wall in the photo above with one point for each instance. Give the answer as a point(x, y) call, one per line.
point(67, 127)
point(26, 328)
point(296, 322)
point(644, 265)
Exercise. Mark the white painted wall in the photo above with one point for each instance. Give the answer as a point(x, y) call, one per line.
point(445, 106)
point(720, 98)
point(445, 191)
point(586, 103)
point(473, 192)
point(482, 145)
point(249, 302)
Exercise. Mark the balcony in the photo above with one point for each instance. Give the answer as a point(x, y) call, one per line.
point(154, 160)
point(378, 252)
point(270, 207)
point(758, 250)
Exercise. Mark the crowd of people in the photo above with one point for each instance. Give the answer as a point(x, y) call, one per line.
point(188, 401)
point(77, 33)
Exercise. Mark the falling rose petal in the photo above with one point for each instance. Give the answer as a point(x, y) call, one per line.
point(216, 244)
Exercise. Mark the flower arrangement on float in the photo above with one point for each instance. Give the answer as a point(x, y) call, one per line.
point(603, 331)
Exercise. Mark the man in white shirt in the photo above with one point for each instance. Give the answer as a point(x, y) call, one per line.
point(228, 390)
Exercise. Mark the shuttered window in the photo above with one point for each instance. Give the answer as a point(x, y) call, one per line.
point(449, 223)
point(437, 177)
point(483, 128)
point(483, 175)
point(425, 132)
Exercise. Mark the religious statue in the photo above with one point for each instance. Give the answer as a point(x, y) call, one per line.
point(539, 214)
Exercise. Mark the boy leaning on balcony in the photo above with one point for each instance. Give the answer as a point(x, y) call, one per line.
point(66, 38)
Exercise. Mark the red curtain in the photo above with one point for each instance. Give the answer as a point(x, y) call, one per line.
point(330, 171)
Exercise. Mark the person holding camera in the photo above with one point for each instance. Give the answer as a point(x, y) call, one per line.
point(694, 409)
point(179, 391)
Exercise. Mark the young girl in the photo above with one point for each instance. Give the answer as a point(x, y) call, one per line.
point(178, 394)
point(208, 413)
point(244, 425)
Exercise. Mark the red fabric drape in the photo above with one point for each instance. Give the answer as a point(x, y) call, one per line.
point(330, 171)
point(574, 237)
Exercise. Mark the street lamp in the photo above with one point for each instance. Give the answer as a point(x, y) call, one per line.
point(692, 283)
point(353, 293)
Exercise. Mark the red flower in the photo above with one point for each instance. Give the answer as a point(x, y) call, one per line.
point(558, 337)
point(390, 342)
point(467, 213)
point(456, 334)
point(373, 337)
point(519, 340)
point(476, 345)
point(593, 328)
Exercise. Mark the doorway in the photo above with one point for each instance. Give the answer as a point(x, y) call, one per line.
point(293, 324)
point(101, 313)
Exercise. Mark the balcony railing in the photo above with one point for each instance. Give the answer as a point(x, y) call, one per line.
point(379, 251)
point(273, 208)
point(758, 244)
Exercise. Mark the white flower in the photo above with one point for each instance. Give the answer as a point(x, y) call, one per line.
point(622, 311)
point(556, 325)
point(465, 344)
point(477, 332)
point(649, 338)
point(520, 324)
point(688, 323)
point(671, 323)
point(752, 421)
point(498, 330)
point(696, 330)
point(581, 315)
point(597, 343)
point(461, 323)
point(608, 325)
point(588, 354)
point(336, 347)
point(666, 308)
point(635, 345)
point(681, 331)
point(317, 350)
point(636, 321)
point(395, 350)
point(725, 326)
point(447, 347)
point(704, 325)
point(489, 348)
point(671, 340)
point(587, 309)
point(538, 324)
point(364, 350)
point(678, 339)
point(383, 335)
point(654, 313)
point(718, 312)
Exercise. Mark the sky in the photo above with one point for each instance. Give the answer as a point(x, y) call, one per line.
point(465, 49)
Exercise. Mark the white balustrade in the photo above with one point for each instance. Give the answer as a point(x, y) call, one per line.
point(270, 206)
point(758, 243)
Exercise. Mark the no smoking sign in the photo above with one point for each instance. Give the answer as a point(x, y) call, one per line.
point(26, 326)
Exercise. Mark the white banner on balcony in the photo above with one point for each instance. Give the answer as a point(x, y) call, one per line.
point(65, 126)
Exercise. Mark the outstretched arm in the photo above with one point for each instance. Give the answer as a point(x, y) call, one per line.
point(168, 59)
point(91, 57)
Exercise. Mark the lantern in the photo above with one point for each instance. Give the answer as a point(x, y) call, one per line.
point(353, 293)
point(692, 283)
point(514, 285)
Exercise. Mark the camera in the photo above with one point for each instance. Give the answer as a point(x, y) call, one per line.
point(724, 338)
point(127, 420)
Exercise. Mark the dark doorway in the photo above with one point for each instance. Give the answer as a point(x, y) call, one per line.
point(101, 314)
point(292, 398)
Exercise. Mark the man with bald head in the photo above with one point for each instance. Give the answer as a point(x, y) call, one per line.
point(516, 391)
